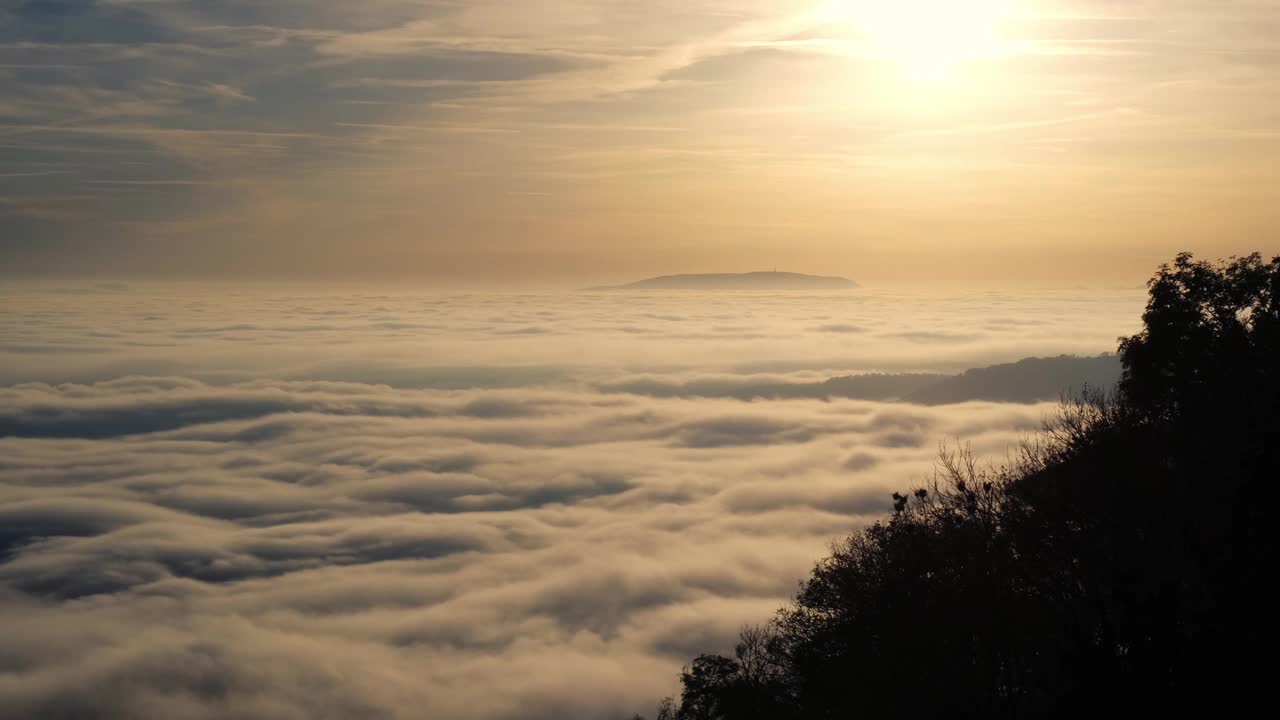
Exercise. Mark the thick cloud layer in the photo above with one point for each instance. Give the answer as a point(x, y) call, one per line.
point(258, 534)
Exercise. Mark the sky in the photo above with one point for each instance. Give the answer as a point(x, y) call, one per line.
point(305, 411)
point(566, 141)
point(296, 503)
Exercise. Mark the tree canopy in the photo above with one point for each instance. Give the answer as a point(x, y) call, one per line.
point(1118, 564)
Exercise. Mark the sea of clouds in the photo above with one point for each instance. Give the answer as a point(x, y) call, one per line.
point(318, 503)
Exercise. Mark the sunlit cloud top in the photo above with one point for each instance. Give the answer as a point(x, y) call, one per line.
point(574, 139)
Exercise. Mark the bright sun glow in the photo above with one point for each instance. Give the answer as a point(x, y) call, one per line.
point(927, 39)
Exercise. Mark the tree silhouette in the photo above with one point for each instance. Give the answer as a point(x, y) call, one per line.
point(1117, 564)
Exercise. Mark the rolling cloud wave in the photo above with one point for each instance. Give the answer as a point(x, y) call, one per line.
point(260, 533)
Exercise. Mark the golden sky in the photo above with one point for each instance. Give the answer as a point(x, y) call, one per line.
point(1072, 141)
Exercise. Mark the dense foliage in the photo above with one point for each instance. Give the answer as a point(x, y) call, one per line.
point(1118, 564)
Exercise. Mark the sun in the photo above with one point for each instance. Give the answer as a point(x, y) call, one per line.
point(927, 40)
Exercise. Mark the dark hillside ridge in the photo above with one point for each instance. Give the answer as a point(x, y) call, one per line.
point(1029, 380)
point(1025, 381)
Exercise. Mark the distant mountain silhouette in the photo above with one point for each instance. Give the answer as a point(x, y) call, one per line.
point(1028, 380)
point(1025, 381)
point(738, 281)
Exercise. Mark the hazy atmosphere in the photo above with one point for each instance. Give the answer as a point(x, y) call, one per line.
point(504, 360)
point(565, 141)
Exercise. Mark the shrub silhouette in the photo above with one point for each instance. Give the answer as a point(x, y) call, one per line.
point(1116, 564)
